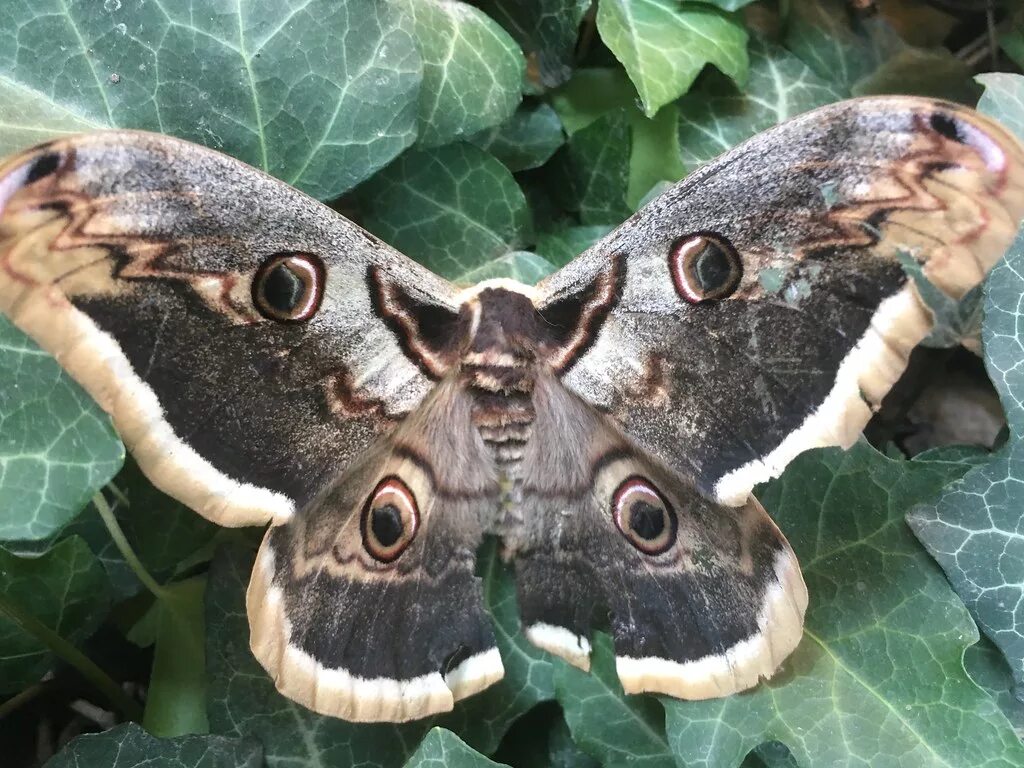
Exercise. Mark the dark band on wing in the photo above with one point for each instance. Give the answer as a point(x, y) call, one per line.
point(429, 334)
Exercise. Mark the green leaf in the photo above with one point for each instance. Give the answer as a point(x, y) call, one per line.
point(935, 73)
point(618, 730)
point(985, 664)
point(526, 140)
point(591, 94)
point(974, 530)
point(593, 171)
point(547, 32)
point(452, 209)
point(181, 536)
point(443, 749)
point(1012, 38)
point(955, 321)
point(57, 447)
point(562, 246)
point(64, 589)
point(525, 266)
point(664, 44)
point(27, 117)
point(838, 46)
point(176, 696)
point(1003, 99)
point(715, 119)
point(878, 678)
point(320, 94)
point(129, 746)
point(472, 70)
point(243, 703)
point(655, 153)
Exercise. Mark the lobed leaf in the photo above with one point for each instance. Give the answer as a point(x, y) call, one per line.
point(526, 140)
point(443, 749)
point(878, 679)
point(57, 447)
point(64, 589)
point(129, 746)
point(715, 119)
point(318, 93)
point(974, 530)
point(452, 209)
point(547, 32)
point(664, 44)
point(472, 70)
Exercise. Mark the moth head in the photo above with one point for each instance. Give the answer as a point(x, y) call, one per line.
point(289, 286)
point(704, 267)
point(390, 520)
point(644, 516)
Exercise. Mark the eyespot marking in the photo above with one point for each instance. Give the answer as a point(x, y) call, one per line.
point(44, 165)
point(643, 516)
point(964, 132)
point(390, 520)
point(288, 287)
point(704, 267)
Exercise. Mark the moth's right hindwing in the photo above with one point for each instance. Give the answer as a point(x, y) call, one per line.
point(701, 600)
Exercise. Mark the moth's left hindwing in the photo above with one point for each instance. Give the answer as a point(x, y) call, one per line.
point(236, 330)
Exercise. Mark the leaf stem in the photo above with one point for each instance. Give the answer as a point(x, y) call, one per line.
point(124, 547)
point(70, 654)
point(22, 697)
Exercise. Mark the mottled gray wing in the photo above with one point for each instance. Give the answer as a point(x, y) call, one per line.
point(365, 604)
point(701, 599)
point(759, 307)
point(247, 340)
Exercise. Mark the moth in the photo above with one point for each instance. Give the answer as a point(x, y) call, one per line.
point(267, 360)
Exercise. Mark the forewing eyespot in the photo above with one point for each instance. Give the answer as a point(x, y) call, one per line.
point(704, 267)
point(389, 520)
point(643, 516)
point(288, 287)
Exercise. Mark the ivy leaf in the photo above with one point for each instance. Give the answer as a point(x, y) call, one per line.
point(525, 266)
point(452, 209)
point(57, 447)
point(935, 73)
point(526, 140)
point(618, 730)
point(716, 118)
point(878, 678)
point(547, 32)
point(180, 538)
point(129, 746)
point(243, 703)
point(563, 245)
point(664, 44)
point(64, 589)
point(839, 47)
point(320, 95)
point(974, 530)
point(443, 749)
point(472, 70)
point(985, 664)
point(593, 172)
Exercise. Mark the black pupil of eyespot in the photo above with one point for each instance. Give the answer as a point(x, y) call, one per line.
point(283, 288)
point(946, 126)
point(646, 520)
point(43, 166)
point(712, 268)
point(386, 523)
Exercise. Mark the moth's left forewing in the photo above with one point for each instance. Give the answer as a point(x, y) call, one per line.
point(137, 260)
point(803, 317)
